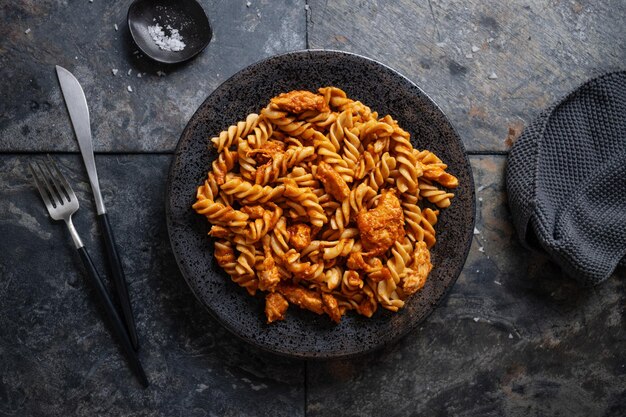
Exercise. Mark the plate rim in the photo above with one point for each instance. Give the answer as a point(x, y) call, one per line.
point(317, 356)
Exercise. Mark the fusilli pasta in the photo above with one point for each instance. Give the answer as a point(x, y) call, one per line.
point(322, 204)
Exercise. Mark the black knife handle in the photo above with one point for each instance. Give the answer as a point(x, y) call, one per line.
point(114, 318)
point(119, 280)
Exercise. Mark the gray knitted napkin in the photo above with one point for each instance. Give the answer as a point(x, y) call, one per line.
point(566, 180)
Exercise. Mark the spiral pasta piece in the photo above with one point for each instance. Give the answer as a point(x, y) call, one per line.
point(229, 136)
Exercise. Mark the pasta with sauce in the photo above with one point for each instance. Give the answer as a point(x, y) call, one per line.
point(322, 204)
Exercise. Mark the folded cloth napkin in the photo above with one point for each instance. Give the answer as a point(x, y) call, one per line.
point(566, 180)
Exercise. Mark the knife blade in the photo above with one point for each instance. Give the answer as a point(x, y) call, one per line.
point(79, 114)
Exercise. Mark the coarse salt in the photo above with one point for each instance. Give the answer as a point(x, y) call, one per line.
point(475, 48)
point(172, 43)
point(130, 89)
point(115, 26)
point(493, 76)
point(248, 4)
point(114, 71)
point(476, 231)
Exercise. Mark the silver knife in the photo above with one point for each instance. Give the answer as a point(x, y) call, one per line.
point(79, 114)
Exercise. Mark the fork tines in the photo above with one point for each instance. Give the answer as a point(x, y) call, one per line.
point(52, 185)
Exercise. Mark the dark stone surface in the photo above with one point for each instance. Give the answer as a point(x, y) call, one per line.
point(303, 335)
point(81, 37)
point(538, 50)
point(57, 358)
point(514, 338)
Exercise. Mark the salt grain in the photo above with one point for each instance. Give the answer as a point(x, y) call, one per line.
point(493, 76)
point(138, 75)
point(481, 249)
point(497, 282)
point(129, 71)
point(27, 30)
point(482, 187)
point(115, 26)
point(476, 319)
point(475, 48)
point(469, 56)
point(130, 89)
point(480, 199)
point(172, 43)
point(476, 231)
point(307, 7)
point(114, 71)
point(510, 336)
point(248, 4)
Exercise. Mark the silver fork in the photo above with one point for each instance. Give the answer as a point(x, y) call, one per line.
point(61, 202)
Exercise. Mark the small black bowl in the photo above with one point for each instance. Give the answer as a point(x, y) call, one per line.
point(185, 15)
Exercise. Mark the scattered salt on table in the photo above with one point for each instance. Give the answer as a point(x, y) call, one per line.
point(172, 43)
point(114, 71)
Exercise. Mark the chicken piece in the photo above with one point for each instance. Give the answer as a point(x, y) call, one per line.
point(367, 307)
point(266, 152)
point(331, 307)
point(303, 298)
point(275, 307)
point(382, 226)
point(267, 272)
point(255, 212)
point(219, 231)
point(299, 101)
point(419, 270)
point(333, 183)
point(299, 236)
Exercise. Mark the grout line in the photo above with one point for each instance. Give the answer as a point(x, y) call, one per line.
point(114, 153)
point(306, 23)
point(111, 153)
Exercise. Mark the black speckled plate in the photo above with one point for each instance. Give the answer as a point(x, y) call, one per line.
point(304, 334)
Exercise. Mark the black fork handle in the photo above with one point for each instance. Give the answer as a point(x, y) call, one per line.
point(117, 323)
point(119, 280)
